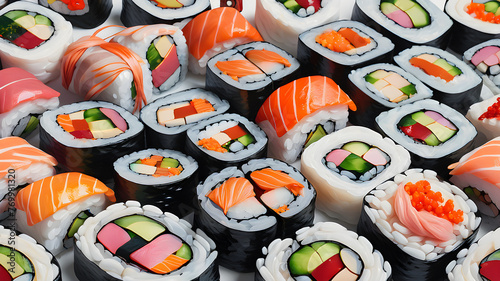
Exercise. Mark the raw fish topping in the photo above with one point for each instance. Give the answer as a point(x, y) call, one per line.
point(302, 8)
point(325, 261)
point(346, 40)
point(145, 242)
point(391, 85)
point(157, 166)
point(487, 60)
point(14, 265)
point(493, 111)
point(357, 160)
point(435, 66)
point(25, 29)
point(183, 113)
point(488, 12)
point(427, 127)
point(94, 123)
point(489, 268)
point(232, 139)
point(406, 13)
point(172, 4)
point(162, 58)
point(231, 193)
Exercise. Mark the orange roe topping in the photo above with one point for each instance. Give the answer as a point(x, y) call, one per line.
point(334, 41)
point(492, 112)
point(281, 209)
point(211, 144)
point(476, 10)
point(424, 199)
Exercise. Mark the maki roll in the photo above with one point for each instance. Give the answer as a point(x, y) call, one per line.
point(168, 118)
point(20, 164)
point(33, 38)
point(281, 21)
point(476, 174)
point(325, 251)
point(164, 178)
point(128, 241)
point(380, 87)
point(483, 115)
point(163, 47)
point(215, 31)
point(139, 12)
point(434, 134)
point(485, 59)
point(406, 22)
point(225, 140)
point(300, 113)
point(345, 165)
point(81, 13)
point(474, 22)
point(88, 137)
point(479, 262)
point(248, 74)
point(336, 48)
point(27, 260)
point(52, 209)
point(418, 223)
point(22, 99)
point(453, 82)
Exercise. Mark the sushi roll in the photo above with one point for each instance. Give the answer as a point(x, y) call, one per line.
point(163, 178)
point(419, 224)
point(163, 47)
point(168, 118)
point(483, 115)
point(336, 48)
point(485, 59)
point(406, 22)
point(89, 136)
point(345, 165)
point(33, 38)
point(139, 12)
point(479, 262)
point(128, 241)
point(26, 259)
point(248, 74)
point(474, 22)
point(224, 140)
point(302, 112)
point(215, 31)
point(52, 209)
point(99, 70)
point(20, 164)
point(281, 21)
point(453, 82)
point(22, 99)
point(81, 13)
point(434, 134)
point(476, 175)
point(325, 251)
point(380, 87)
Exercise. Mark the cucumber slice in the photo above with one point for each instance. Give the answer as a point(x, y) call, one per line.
point(246, 139)
point(153, 57)
point(409, 90)
point(14, 15)
point(184, 252)
point(41, 19)
point(293, 6)
point(169, 163)
point(491, 6)
point(355, 163)
point(93, 114)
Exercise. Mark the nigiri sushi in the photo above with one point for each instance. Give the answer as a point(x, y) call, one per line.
point(301, 112)
point(52, 209)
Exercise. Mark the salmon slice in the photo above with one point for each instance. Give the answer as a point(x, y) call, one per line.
point(65, 122)
point(202, 105)
point(354, 38)
point(44, 197)
point(269, 179)
point(237, 68)
point(431, 69)
point(258, 56)
point(286, 106)
point(232, 192)
point(17, 153)
point(334, 41)
point(170, 264)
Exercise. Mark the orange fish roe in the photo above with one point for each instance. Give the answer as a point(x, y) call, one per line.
point(424, 199)
point(281, 209)
point(211, 144)
point(477, 11)
point(334, 41)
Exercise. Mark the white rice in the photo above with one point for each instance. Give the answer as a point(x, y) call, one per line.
point(457, 9)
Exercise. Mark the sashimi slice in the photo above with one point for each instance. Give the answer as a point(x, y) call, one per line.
point(269, 179)
point(337, 156)
point(264, 59)
point(431, 69)
point(170, 264)
point(232, 192)
point(115, 117)
point(354, 38)
point(112, 237)
point(237, 68)
point(157, 250)
point(401, 18)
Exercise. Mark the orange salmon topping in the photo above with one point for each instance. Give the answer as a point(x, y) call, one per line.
point(334, 41)
point(431, 69)
point(354, 38)
point(232, 192)
point(211, 144)
point(202, 105)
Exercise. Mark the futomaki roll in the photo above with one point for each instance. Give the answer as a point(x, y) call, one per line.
point(453, 82)
point(419, 224)
point(33, 38)
point(22, 99)
point(434, 134)
point(248, 74)
point(163, 178)
point(484, 116)
point(128, 241)
point(380, 87)
point(345, 165)
point(168, 118)
point(26, 260)
point(406, 22)
point(281, 21)
point(139, 12)
point(81, 13)
point(474, 22)
point(225, 140)
point(89, 136)
point(485, 59)
point(336, 48)
point(300, 113)
point(325, 251)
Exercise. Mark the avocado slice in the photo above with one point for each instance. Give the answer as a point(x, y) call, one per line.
point(418, 16)
point(356, 147)
point(455, 71)
point(246, 139)
point(41, 19)
point(14, 15)
point(441, 132)
point(404, 4)
point(443, 64)
point(184, 252)
point(422, 118)
point(406, 121)
point(169, 163)
point(316, 135)
point(354, 163)
point(388, 8)
point(101, 125)
point(292, 5)
point(409, 90)
point(377, 74)
point(491, 6)
point(432, 140)
point(93, 114)
point(304, 261)
point(370, 79)
point(328, 250)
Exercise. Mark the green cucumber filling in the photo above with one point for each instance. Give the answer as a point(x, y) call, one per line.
point(406, 13)
point(427, 127)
